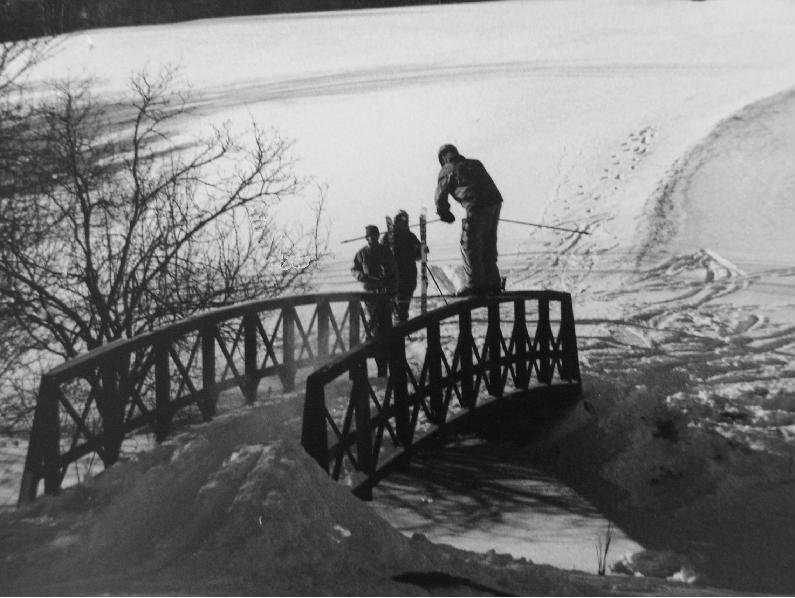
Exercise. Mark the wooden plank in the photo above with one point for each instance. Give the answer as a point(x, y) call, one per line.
point(288, 348)
point(162, 390)
point(360, 397)
point(250, 331)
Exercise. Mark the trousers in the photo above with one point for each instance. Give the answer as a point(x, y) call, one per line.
point(405, 292)
point(479, 247)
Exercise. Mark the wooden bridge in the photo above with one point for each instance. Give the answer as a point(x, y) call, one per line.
point(441, 366)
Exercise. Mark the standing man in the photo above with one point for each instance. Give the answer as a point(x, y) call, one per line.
point(374, 266)
point(470, 185)
point(407, 250)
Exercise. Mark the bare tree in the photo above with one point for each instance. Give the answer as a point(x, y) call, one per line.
point(128, 225)
point(602, 548)
point(17, 58)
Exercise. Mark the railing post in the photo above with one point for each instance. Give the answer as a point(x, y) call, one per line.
point(314, 437)
point(42, 460)
point(543, 342)
point(571, 362)
point(323, 329)
point(354, 311)
point(360, 395)
point(287, 371)
point(520, 338)
point(384, 314)
point(494, 385)
point(399, 379)
point(51, 432)
point(250, 357)
point(111, 408)
point(435, 391)
point(424, 262)
point(465, 342)
point(163, 409)
point(209, 394)
point(354, 321)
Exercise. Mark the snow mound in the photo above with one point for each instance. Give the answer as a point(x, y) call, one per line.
point(211, 507)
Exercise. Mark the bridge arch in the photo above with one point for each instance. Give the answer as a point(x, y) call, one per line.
point(89, 404)
point(441, 366)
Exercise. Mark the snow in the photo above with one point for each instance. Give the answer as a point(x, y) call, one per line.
point(664, 129)
point(236, 507)
point(478, 497)
point(545, 93)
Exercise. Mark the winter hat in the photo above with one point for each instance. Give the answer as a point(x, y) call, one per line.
point(370, 229)
point(447, 147)
point(402, 215)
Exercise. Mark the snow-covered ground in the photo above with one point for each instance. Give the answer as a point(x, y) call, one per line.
point(664, 128)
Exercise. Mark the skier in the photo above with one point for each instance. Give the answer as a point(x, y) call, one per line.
point(407, 250)
point(374, 266)
point(470, 185)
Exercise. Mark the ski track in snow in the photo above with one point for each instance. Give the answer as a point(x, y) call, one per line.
point(697, 310)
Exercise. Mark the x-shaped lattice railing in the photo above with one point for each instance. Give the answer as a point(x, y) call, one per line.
point(102, 396)
point(345, 425)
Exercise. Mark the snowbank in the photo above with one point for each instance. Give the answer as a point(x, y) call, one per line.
point(237, 507)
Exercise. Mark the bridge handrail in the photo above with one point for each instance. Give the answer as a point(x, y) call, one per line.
point(397, 412)
point(333, 367)
point(117, 395)
point(193, 322)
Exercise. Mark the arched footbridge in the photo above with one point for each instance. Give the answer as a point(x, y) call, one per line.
point(369, 402)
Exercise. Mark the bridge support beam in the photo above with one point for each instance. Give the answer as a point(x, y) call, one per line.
point(354, 320)
point(163, 410)
point(251, 382)
point(571, 362)
point(323, 330)
point(42, 461)
point(287, 372)
point(433, 357)
point(360, 395)
point(399, 379)
point(111, 408)
point(520, 340)
point(543, 342)
point(465, 344)
point(314, 437)
point(493, 334)
point(209, 395)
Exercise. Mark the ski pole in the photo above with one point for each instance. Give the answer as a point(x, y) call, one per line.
point(437, 285)
point(568, 230)
point(410, 226)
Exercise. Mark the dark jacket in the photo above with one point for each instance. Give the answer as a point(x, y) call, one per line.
point(375, 268)
point(407, 251)
point(469, 184)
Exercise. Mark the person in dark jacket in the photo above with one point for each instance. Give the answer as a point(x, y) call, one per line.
point(374, 266)
point(468, 182)
point(407, 250)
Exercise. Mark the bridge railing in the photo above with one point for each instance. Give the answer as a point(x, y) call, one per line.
point(91, 403)
point(441, 364)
